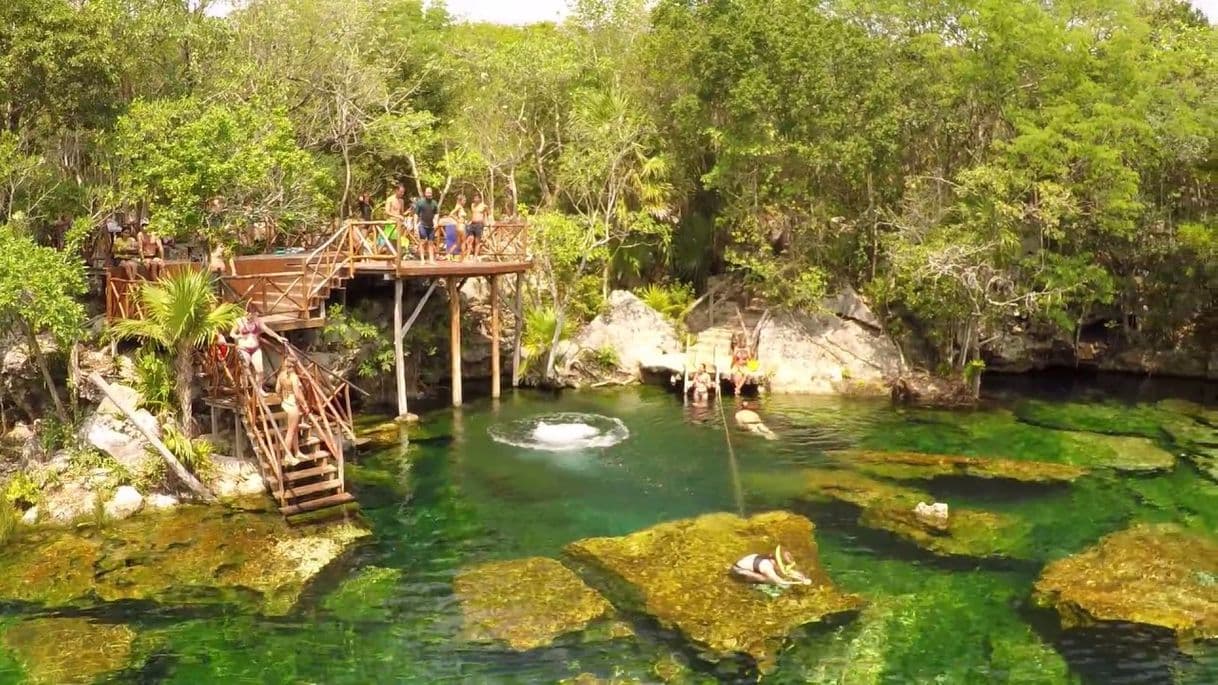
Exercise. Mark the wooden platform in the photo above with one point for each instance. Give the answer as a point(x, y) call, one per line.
point(417, 269)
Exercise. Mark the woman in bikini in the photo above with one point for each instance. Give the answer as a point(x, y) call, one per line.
point(288, 387)
point(248, 335)
point(776, 569)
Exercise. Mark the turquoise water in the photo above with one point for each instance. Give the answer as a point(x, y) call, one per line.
point(454, 497)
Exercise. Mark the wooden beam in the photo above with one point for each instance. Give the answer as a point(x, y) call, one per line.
point(494, 282)
point(399, 351)
point(519, 313)
point(454, 315)
point(418, 308)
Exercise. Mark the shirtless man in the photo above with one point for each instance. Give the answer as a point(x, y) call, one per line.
point(747, 418)
point(473, 233)
point(395, 211)
point(152, 252)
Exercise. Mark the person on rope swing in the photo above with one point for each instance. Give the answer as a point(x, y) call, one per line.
point(772, 569)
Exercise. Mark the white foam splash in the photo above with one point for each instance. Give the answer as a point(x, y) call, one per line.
point(561, 432)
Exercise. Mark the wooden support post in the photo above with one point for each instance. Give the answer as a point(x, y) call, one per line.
point(238, 434)
point(454, 315)
point(519, 314)
point(399, 350)
point(215, 420)
point(494, 281)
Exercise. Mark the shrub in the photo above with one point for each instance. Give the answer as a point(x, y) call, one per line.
point(195, 454)
point(22, 492)
point(539, 326)
point(54, 434)
point(154, 381)
point(669, 300)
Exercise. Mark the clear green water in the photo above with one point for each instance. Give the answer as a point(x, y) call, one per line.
point(454, 497)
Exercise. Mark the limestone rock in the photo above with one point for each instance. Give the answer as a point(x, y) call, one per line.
point(128, 398)
point(233, 477)
point(1131, 454)
point(918, 466)
point(21, 441)
point(887, 507)
point(30, 517)
point(634, 331)
point(64, 651)
point(125, 503)
point(196, 555)
point(677, 573)
point(160, 502)
point(1156, 575)
point(848, 304)
point(823, 354)
point(116, 437)
point(71, 502)
point(525, 603)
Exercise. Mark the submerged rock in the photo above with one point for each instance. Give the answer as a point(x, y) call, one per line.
point(194, 554)
point(525, 603)
point(62, 651)
point(677, 572)
point(918, 466)
point(891, 508)
point(366, 595)
point(232, 477)
point(1156, 575)
point(1123, 453)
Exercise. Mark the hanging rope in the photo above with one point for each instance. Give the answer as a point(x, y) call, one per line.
point(727, 436)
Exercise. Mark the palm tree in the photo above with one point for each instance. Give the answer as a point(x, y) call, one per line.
point(180, 314)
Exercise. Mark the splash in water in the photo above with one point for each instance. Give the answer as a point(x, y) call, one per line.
point(561, 432)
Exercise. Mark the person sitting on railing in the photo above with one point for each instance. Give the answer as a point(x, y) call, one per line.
point(152, 251)
point(292, 399)
point(126, 253)
point(473, 232)
point(248, 335)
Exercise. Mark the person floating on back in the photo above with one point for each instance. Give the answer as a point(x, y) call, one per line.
point(747, 418)
point(773, 569)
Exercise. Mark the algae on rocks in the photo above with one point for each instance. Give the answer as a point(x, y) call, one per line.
point(1159, 575)
point(919, 466)
point(66, 651)
point(194, 554)
point(525, 603)
point(677, 572)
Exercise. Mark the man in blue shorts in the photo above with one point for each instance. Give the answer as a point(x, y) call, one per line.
point(426, 210)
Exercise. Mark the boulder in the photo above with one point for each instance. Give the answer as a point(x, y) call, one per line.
point(848, 304)
point(891, 508)
point(677, 573)
point(918, 466)
point(1155, 575)
point(824, 354)
point(233, 477)
point(366, 596)
point(525, 603)
point(160, 502)
point(69, 503)
point(66, 651)
point(118, 438)
point(125, 503)
point(634, 331)
point(128, 399)
point(30, 517)
point(22, 442)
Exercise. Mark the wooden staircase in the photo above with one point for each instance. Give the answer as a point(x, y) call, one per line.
point(316, 482)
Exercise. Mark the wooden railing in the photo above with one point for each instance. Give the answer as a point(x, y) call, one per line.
point(376, 241)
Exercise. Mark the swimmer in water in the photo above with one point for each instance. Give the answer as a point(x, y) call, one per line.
point(747, 418)
point(775, 569)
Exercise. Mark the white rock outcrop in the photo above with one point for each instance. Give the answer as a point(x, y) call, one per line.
point(125, 503)
point(824, 354)
point(636, 333)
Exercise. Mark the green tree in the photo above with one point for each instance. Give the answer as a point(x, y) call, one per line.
point(39, 287)
point(180, 314)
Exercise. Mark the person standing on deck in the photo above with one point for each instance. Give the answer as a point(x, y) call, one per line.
point(152, 251)
point(473, 233)
point(453, 238)
point(426, 210)
point(363, 207)
point(395, 211)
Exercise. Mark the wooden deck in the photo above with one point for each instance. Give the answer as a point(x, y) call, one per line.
point(443, 269)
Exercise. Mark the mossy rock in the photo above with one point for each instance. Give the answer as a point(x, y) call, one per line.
point(205, 555)
point(1192, 410)
point(1126, 453)
point(888, 507)
point(525, 603)
point(678, 573)
point(919, 466)
point(1093, 417)
point(366, 595)
point(61, 651)
point(1156, 575)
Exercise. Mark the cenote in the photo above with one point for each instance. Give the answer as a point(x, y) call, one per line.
point(454, 498)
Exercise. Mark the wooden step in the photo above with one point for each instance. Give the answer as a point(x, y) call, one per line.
point(334, 500)
point(302, 474)
point(298, 491)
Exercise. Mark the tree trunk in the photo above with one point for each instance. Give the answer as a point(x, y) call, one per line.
point(560, 318)
point(184, 371)
point(41, 360)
